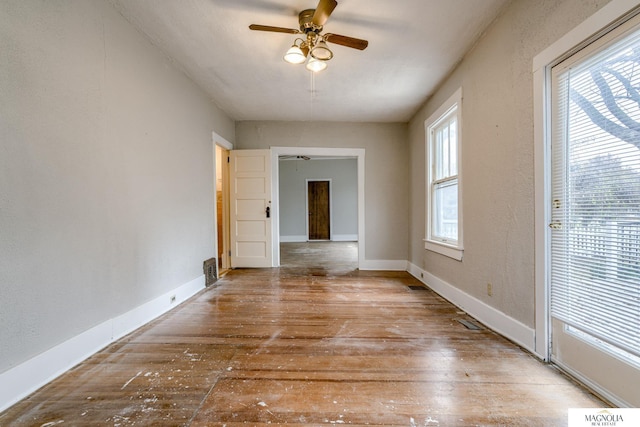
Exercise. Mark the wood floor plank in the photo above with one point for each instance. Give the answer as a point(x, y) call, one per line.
point(308, 346)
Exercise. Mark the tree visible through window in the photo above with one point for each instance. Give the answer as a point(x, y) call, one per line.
point(596, 195)
point(605, 171)
point(610, 95)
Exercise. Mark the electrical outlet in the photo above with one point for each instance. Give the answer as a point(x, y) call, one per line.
point(489, 289)
point(172, 299)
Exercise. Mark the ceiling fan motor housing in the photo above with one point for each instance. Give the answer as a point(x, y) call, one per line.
point(305, 18)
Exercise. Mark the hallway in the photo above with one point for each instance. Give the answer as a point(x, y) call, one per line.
point(336, 257)
point(302, 346)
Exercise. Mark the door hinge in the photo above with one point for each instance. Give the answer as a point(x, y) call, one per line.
point(229, 253)
point(228, 159)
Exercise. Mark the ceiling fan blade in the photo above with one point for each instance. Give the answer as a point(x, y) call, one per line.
point(323, 11)
point(273, 29)
point(346, 41)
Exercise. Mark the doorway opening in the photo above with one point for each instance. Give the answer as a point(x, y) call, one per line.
point(221, 205)
point(342, 227)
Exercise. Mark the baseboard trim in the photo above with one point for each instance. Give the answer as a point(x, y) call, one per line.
point(344, 238)
point(22, 380)
point(494, 319)
point(382, 264)
point(334, 238)
point(293, 239)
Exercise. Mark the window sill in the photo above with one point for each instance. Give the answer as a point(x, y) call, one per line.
point(446, 250)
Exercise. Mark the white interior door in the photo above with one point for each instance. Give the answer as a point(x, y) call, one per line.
point(595, 216)
point(250, 208)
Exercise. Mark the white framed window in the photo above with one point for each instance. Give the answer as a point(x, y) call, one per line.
point(444, 195)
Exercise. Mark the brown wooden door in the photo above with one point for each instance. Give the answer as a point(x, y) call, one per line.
point(319, 213)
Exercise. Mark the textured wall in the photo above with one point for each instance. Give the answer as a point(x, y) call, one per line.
point(386, 172)
point(106, 175)
point(497, 156)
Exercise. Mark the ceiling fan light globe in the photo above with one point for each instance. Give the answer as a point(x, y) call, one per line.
point(295, 55)
point(316, 65)
point(321, 51)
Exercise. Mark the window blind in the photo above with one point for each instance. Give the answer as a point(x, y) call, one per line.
point(595, 211)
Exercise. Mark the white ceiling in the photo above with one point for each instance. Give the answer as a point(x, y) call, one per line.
point(413, 44)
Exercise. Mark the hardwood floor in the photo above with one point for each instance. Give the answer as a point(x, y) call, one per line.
point(304, 345)
point(330, 257)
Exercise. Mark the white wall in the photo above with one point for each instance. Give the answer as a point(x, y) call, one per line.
point(343, 174)
point(497, 158)
point(106, 175)
point(386, 171)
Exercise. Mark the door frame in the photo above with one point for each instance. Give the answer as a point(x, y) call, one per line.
point(308, 180)
point(276, 152)
point(220, 141)
point(601, 22)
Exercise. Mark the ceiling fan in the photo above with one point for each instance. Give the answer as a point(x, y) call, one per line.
point(295, 158)
point(313, 48)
